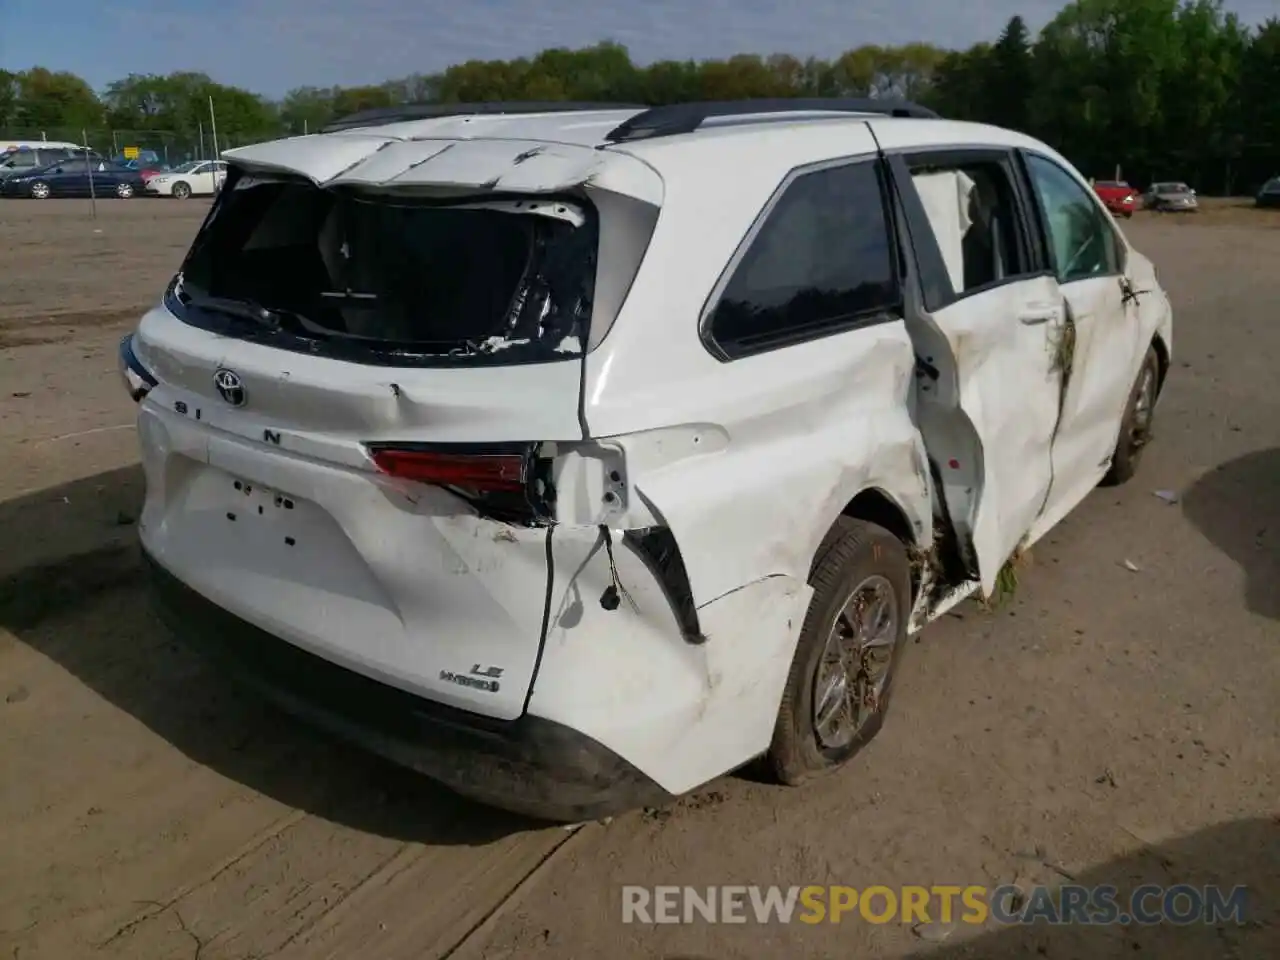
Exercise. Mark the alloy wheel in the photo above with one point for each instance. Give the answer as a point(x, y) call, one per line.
point(855, 663)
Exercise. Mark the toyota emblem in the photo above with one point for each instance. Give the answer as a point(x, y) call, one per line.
point(230, 386)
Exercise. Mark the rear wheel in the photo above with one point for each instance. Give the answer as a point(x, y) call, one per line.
point(1135, 428)
point(856, 627)
point(181, 190)
point(40, 190)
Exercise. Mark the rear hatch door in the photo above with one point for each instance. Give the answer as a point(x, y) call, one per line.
point(321, 355)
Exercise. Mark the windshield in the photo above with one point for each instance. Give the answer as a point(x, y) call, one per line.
point(186, 167)
point(483, 280)
point(1172, 188)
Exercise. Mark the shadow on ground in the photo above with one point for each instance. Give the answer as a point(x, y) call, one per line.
point(71, 587)
point(1237, 507)
point(1242, 853)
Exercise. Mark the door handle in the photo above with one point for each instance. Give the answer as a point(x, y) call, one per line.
point(1033, 319)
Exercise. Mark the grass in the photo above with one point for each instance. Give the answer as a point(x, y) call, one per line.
point(1006, 585)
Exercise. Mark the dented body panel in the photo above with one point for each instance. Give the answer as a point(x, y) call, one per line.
point(651, 600)
point(681, 712)
point(450, 165)
point(401, 585)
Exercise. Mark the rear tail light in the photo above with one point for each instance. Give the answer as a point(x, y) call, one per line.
point(482, 472)
point(507, 482)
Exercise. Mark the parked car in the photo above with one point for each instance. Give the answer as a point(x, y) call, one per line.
point(148, 163)
point(1118, 197)
point(76, 177)
point(196, 178)
point(23, 158)
point(1269, 194)
point(641, 450)
point(1170, 197)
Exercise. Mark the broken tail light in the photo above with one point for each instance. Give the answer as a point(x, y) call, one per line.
point(509, 482)
point(482, 472)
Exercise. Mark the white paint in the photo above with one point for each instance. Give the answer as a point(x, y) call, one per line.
point(748, 463)
point(682, 713)
point(995, 412)
point(395, 581)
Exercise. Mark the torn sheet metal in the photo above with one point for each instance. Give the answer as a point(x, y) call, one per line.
point(390, 161)
point(693, 711)
point(822, 421)
point(317, 157)
point(517, 166)
point(507, 166)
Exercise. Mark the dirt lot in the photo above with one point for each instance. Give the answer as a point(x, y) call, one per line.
point(1117, 723)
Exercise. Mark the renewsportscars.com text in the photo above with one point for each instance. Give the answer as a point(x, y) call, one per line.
point(1073, 904)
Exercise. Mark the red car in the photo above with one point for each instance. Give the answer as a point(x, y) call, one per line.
point(1120, 198)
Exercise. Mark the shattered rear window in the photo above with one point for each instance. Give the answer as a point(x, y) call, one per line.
point(390, 279)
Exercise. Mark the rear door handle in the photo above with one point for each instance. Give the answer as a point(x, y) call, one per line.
point(1033, 319)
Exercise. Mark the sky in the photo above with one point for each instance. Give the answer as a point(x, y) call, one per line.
point(270, 46)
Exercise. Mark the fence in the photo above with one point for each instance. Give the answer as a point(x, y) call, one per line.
point(172, 148)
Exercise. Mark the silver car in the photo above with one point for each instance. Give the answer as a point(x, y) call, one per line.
point(1170, 196)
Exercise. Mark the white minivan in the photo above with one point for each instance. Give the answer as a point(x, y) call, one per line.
point(577, 455)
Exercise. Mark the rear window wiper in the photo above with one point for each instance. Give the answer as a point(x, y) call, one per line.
point(273, 318)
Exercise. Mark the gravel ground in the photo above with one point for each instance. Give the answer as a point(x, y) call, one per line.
point(1117, 722)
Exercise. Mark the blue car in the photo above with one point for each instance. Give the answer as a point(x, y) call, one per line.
point(76, 177)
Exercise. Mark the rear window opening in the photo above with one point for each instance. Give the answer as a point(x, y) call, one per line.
point(384, 278)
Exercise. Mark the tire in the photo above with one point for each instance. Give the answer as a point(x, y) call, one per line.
point(181, 190)
point(40, 190)
point(858, 563)
point(1135, 428)
point(124, 190)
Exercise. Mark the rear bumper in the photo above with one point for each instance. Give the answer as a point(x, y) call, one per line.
point(529, 766)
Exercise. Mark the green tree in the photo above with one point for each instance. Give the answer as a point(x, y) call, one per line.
point(307, 109)
point(1162, 88)
point(8, 98)
point(1259, 106)
point(46, 99)
point(962, 84)
point(1009, 77)
point(179, 102)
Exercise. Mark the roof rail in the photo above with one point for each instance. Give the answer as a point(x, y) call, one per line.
point(379, 116)
point(679, 118)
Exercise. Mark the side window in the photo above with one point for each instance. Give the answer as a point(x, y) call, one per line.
point(72, 166)
point(973, 209)
point(822, 260)
point(1081, 239)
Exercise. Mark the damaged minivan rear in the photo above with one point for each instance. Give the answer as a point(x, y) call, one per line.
point(361, 404)
point(576, 458)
